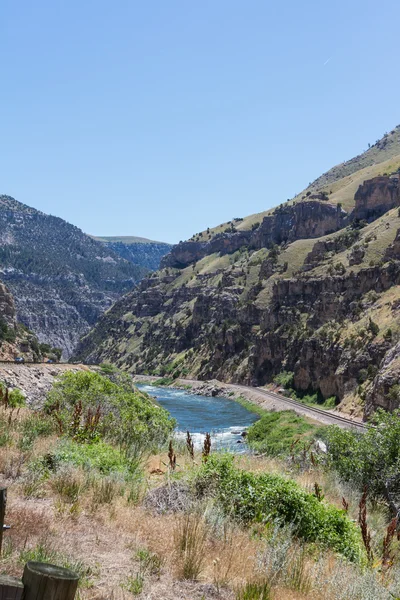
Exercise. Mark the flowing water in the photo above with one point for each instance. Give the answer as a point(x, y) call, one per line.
point(225, 419)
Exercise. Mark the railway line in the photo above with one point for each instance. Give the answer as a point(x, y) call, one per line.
point(313, 412)
point(276, 401)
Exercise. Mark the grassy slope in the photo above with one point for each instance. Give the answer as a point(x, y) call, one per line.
point(343, 180)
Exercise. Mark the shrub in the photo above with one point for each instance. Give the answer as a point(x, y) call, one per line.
point(275, 432)
point(285, 379)
point(373, 327)
point(126, 415)
point(36, 425)
point(99, 456)
point(368, 459)
point(267, 498)
point(16, 399)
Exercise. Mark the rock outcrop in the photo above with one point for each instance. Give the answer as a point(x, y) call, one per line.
point(385, 390)
point(302, 220)
point(7, 307)
point(376, 196)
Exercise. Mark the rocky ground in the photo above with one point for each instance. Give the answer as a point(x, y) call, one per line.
point(34, 380)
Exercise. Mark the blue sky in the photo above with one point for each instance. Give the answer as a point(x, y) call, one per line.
point(161, 118)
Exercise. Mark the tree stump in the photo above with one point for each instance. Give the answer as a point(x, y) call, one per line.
point(48, 582)
point(11, 588)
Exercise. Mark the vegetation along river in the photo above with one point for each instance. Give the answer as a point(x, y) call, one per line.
point(225, 419)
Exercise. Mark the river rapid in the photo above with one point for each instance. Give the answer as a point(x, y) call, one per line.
point(223, 418)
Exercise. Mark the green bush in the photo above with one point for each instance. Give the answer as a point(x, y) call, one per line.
point(367, 459)
point(285, 379)
point(267, 498)
point(99, 456)
point(275, 432)
point(16, 399)
point(36, 425)
point(126, 415)
point(373, 327)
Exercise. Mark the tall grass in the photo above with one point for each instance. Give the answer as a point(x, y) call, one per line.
point(190, 536)
point(254, 590)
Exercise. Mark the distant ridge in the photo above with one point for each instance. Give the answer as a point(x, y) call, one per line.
point(137, 250)
point(127, 239)
point(62, 280)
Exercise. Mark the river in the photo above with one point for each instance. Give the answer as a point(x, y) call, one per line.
point(224, 418)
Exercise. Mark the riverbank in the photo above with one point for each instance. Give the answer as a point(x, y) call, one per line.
point(262, 399)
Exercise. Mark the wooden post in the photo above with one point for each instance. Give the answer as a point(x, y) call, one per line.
point(47, 582)
point(3, 502)
point(11, 588)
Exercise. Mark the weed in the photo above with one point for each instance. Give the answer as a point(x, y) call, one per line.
point(362, 521)
point(259, 590)
point(35, 426)
point(150, 563)
point(387, 553)
point(171, 457)
point(133, 584)
point(105, 490)
point(35, 479)
point(206, 447)
point(190, 537)
point(67, 483)
point(190, 445)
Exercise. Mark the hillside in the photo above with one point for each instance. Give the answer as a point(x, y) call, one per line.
point(311, 287)
point(15, 339)
point(139, 251)
point(61, 279)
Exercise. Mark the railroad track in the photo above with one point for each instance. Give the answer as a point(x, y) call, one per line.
point(305, 408)
point(299, 407)
point(323, 416)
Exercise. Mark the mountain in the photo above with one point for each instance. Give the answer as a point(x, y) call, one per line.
point(139, 251)
point(62, 280)
point(310, 287)
point(15, 338)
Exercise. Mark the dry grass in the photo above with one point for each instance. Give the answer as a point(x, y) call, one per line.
point(88, 521)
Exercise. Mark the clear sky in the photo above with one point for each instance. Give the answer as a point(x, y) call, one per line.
point(159, 118)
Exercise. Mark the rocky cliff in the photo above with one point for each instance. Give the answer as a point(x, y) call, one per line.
point(311, 287)
point(376, 196)
point(15, 339)
point(61, 279)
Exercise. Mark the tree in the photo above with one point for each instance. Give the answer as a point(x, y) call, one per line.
point(369, 459)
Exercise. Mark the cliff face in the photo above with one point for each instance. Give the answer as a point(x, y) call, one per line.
point(7, 307)
point(15, 340)
point(309, 288)
point(376, 196)
point(61, 279)
point(310, 219)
